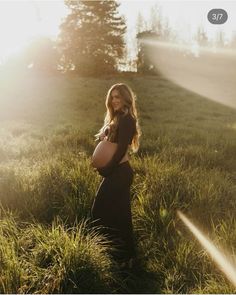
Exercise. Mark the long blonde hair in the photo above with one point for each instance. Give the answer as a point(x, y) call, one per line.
point(111, 118)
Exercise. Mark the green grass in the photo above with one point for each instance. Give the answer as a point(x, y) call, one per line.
point(186, 161)
point(53, 259)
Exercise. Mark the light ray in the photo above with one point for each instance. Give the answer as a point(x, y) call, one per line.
point(207, 71)
point(219, 258)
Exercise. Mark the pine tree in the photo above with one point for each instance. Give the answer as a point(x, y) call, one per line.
point(201, 36)
point(233, 40)
point(155, 19)
point(220, 39)
point(91, 38)
point(144, 63)
point(140, 25)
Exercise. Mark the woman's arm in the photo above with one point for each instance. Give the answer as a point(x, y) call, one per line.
point(125, 135)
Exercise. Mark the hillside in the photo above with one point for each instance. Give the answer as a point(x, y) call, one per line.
point(186, 161)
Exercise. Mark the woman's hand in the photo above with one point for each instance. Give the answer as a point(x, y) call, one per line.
point(103, 136)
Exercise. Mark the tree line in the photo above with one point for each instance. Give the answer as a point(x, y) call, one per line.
point(92, 41)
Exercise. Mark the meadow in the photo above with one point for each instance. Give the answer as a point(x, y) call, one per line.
point(186, 161)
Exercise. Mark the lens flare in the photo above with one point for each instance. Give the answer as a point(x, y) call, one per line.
point(219, 258)
point(207, 71)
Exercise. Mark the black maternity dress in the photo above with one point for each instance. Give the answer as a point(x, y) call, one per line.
point(111, 207)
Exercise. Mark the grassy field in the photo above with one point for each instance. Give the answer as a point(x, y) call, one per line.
point(186, 161)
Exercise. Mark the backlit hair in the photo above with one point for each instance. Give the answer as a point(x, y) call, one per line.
point(112, 117)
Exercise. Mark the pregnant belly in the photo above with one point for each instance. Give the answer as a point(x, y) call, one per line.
point(104, 152)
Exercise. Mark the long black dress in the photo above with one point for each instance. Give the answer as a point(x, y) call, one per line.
point(111, 207)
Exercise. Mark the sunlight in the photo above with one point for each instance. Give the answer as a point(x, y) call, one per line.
point(187, 16)
point(22, 21)
point(197, 69)
point(219, 258)
point(17, 25)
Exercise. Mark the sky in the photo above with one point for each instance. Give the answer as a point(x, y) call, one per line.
point(183, 15)
point(22, 20)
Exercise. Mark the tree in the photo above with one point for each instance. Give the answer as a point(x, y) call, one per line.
point(91, 38)
point(220, 39)
point(155, 19)
point(144, 63)
point(42, 55)
point(201, 37)
point(159, 24)
point(233, 40)
point(140, 23)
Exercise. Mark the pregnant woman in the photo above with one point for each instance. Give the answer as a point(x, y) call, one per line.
point(111, 207)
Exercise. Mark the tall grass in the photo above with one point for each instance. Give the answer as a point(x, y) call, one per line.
point(47, 185)
point(54, 259)
point(166, 246)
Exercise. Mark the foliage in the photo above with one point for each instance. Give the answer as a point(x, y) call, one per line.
point(91, 38)
point(42, 55)
point(144, 63)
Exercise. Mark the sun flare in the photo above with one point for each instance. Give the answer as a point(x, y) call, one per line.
point(218, 256)
point(22, 21)
point(196, 68)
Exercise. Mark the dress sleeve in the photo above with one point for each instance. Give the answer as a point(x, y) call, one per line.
point(126, 131)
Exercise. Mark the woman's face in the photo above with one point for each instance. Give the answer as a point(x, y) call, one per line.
point(116, 100)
